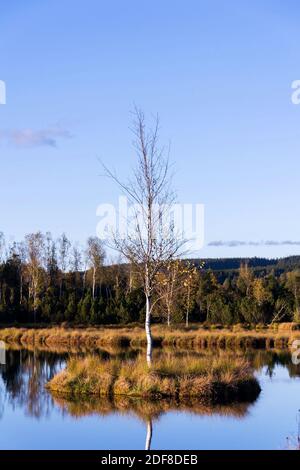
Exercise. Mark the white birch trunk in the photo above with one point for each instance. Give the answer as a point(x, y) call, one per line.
point(148, 331)
point(149, 435)
point(169, 316)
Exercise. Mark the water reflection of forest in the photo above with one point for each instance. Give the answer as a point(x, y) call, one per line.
point(27, 371)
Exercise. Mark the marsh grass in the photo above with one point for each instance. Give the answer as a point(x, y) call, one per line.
point(194, 337)
point(207, 379)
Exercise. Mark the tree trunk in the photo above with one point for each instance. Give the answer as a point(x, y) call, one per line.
point(148, 331)
point(149, 435)
point(35, 298)
point(21, 289)
point(94, 282)
point(169, 316)
point(187, 309)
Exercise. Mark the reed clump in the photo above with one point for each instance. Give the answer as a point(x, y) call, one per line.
point(209, 380)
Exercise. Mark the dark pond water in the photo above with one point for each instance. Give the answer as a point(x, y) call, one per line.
point(30, 418)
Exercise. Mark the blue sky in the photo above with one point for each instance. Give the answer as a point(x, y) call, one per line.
point(219, 75)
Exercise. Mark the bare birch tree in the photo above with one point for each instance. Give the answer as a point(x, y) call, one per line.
point(95, 255)
point(190, 285)
point(35, 252)
point(76, 259)
point(76, 265)
point(21, 253)
point(50, 258)
point(150, 241)
point(63, 258)
point(168, 285)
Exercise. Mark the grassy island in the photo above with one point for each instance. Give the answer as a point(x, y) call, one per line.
point(209, 380)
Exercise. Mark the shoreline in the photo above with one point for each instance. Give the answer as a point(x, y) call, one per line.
point(180, 337)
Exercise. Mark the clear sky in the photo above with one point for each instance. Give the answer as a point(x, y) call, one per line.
point(218, 73)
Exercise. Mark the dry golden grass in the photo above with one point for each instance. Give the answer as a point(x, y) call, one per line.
point(292, 326)
point(195, 337)
point(207, 379)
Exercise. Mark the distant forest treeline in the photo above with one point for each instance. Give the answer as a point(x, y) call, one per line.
point(50, 281)
point(260, 266)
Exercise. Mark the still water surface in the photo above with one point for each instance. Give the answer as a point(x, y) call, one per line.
point(30, 418)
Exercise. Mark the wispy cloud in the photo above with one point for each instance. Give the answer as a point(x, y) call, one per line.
point(237, 243)
point(35, 138)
